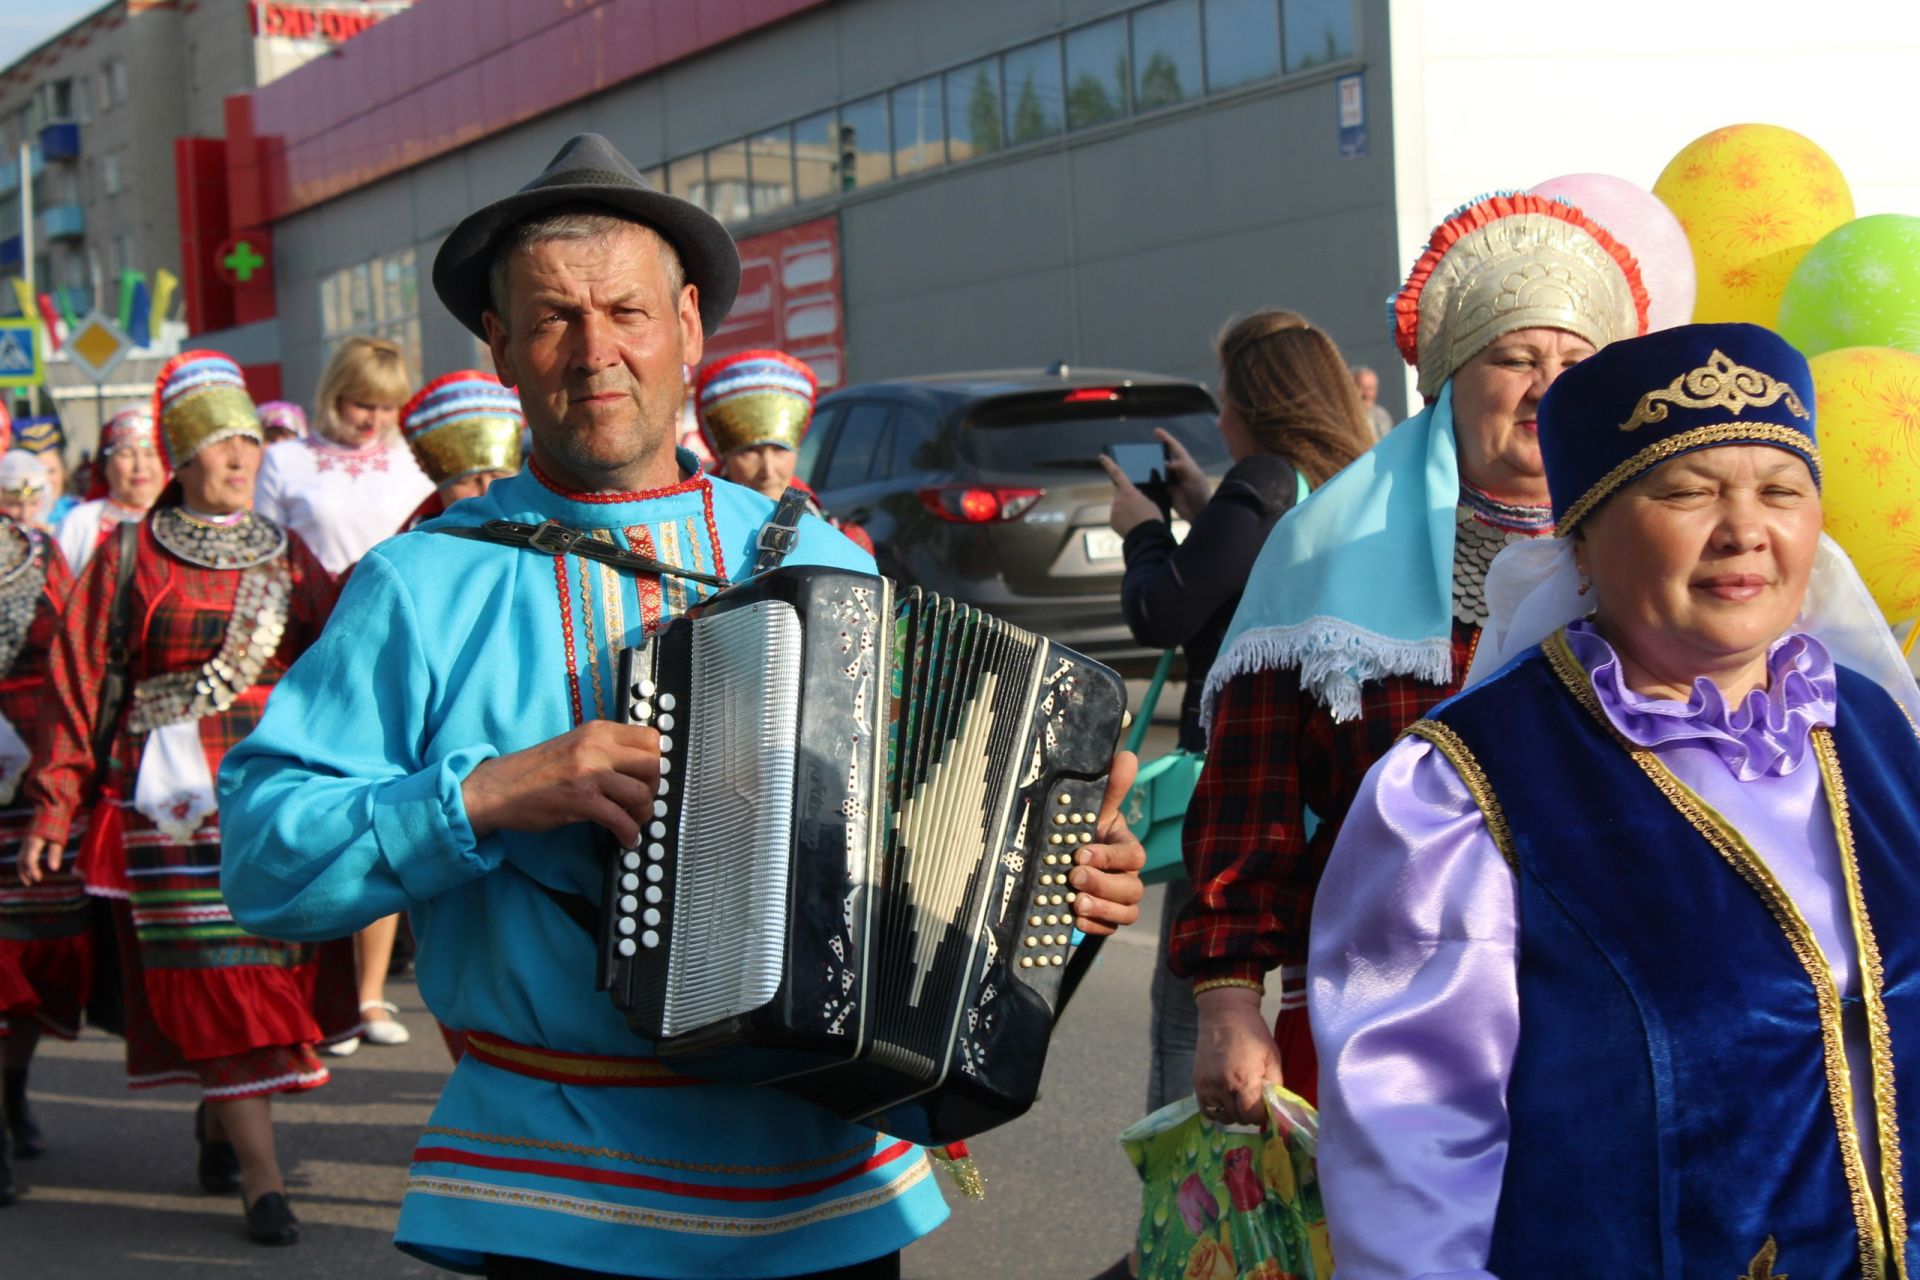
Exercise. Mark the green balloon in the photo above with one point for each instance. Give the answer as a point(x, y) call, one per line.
point(1859, 286)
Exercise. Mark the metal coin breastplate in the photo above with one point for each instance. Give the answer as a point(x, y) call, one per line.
point(255, 627)
point(249, 541)
point(1475, 544)
point(23, 572)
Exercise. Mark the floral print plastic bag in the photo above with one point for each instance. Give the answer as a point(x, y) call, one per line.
point(1223, 1203)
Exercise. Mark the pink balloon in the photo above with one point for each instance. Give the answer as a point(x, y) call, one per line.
point(1651, 233)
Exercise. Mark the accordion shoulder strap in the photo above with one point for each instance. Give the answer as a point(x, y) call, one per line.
point(781, 532)
point(550, 537)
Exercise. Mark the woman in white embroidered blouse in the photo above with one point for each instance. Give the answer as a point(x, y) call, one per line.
point(351, 483)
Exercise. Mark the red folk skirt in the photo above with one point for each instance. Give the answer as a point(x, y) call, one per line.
point(46, 943)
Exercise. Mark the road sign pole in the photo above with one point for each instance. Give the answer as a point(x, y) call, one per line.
point(26, 241)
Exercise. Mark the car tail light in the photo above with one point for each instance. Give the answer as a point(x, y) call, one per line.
point(1084, 394)
point(978, 504)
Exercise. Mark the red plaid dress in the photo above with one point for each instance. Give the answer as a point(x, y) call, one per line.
point(206, 1003)
point(46, 951)
point(1274, 753)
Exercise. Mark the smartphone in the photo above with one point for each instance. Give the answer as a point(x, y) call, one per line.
point(1144, 465)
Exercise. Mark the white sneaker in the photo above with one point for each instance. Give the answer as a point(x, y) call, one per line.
point(383, 1031)
point(342, 1048)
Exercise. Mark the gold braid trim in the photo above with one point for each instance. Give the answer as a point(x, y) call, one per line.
point(1460, 756)
point(1873, 984)
point(1739, 855)
point(1661, 450)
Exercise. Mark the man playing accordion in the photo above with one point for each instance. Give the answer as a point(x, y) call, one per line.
point(440, 748)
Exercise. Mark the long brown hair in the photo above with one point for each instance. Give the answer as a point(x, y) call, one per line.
point(1288, 384)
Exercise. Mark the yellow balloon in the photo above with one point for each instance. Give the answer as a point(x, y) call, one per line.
point(1868, 417)
point(1752, 198)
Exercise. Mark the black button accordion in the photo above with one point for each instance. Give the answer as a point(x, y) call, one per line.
point(854, 883)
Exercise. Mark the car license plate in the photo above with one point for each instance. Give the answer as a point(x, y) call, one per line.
point(1105, 544)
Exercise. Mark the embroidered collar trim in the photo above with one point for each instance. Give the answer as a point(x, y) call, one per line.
point(692, 484)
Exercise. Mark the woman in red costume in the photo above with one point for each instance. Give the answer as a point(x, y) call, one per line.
point(46, 956)
point(220, 602)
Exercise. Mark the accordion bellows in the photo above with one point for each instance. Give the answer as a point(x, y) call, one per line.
point(854, 883)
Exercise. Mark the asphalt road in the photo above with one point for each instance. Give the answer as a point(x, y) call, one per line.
point(116, 1195)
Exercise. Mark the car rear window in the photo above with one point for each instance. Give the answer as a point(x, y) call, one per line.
point(1049, 431)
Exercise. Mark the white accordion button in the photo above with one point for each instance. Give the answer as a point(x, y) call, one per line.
point(656, 874)
point(658, 830)
point(626, 947)
point(645, 688)
point(649, 939)
point(653, 893)
point(663, 787)
point(641, 711)
point(656, 851)
point(626, 924)
point(630, 860)
point(667, 702)
point(630, 904)
point(659, 808)
point(666, 766)
point(630, 881)
point(666, 745)
point(651, 916)
point(666, 726)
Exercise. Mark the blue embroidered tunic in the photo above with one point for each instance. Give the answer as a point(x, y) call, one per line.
point(345, 805)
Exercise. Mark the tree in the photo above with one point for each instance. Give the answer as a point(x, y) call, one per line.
point(1029, 116)
point(983, 115)
point(1089, 103)
point(1160, 82)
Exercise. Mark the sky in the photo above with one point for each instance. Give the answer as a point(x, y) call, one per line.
point(25, 23)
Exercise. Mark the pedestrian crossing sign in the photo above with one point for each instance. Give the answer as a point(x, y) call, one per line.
point(19, 354)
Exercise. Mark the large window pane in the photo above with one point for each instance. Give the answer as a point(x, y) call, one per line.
point(1243, 42)
point(727, 182)
point(919, 127)
point(1166, 54)
point(1097, 73)
point(973, 110)
point(1318, 31)
point(770, 167)
point(865, 155)
point(816, 156)
point(1033, 88)
point(656, 177)
point(687, 178)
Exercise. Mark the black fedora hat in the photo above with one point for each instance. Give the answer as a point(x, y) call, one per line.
point(588, 170)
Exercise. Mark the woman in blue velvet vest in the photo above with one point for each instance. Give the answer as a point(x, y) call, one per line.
point(1614, 969)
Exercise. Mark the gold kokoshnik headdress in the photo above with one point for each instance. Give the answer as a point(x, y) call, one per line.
point(200, 398)
point(463, 423)
point(755, 397)
point(1508, 262)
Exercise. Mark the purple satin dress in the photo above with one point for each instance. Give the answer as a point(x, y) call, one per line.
point(1411, 970)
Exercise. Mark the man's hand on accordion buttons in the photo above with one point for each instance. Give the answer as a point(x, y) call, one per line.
point(1106, 884)
point(602, 772)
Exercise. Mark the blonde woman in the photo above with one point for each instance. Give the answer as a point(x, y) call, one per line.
point(349, 484)
point(353, 480)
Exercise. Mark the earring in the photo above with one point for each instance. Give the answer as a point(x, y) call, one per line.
point(1586, 584)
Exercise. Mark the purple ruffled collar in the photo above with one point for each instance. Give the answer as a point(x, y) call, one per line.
point(1768, 733)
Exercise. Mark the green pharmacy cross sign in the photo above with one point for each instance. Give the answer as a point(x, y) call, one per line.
point(246, 258)
point(243, 261)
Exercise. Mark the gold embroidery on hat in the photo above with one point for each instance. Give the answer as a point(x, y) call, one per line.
point(1761, 1268)
point(1717, 384)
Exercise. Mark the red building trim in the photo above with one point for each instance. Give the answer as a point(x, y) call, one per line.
point(446, 73)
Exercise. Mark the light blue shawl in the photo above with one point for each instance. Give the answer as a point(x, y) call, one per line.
point(1356, 583)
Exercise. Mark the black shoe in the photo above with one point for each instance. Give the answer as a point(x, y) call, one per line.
point(219, 1164)
point(270, 1220)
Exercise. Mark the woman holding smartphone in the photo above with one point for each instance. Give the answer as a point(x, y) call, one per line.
point(1290, 418)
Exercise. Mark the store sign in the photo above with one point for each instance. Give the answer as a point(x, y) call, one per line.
point(245, 258)
point(299, 22)
point(790, 299)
